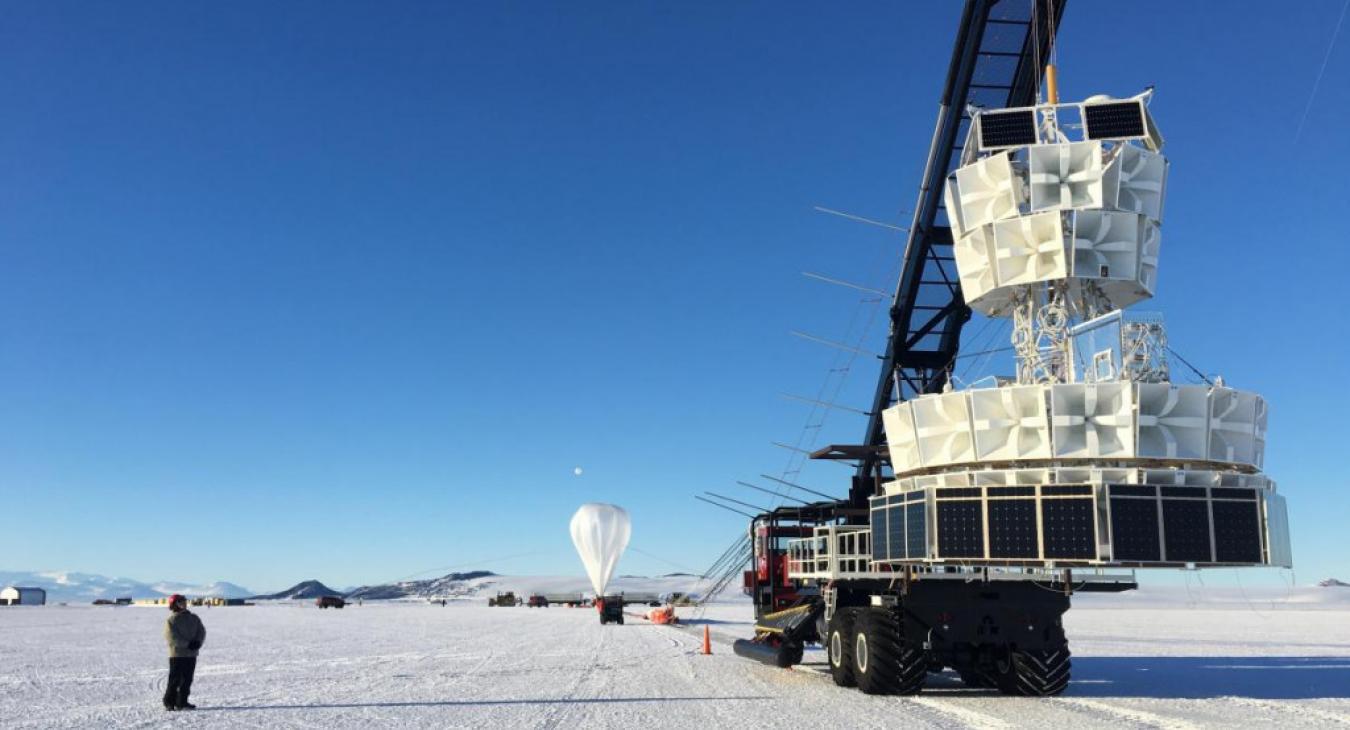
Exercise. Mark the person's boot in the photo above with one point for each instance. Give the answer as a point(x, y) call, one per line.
point(187, 706)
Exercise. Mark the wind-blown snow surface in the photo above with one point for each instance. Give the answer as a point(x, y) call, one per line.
point(1140, 661)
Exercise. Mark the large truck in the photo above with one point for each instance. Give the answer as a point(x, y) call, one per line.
point(976, 514)
point(610, 609)
point(504, 599)
point(330, 602)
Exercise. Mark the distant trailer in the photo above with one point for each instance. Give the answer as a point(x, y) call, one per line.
point(112, 602)
point(648, 599)
point(20, 596)
point(566, 599)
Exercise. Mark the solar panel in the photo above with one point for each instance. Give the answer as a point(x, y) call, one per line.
point(1134, 528)
point(916, 535)
point(1186, 531)
point(1115, 120)
point(960, 529)
point(1014, 128)
point(1237, 532)
point(1012, 529)
point(1068, 530)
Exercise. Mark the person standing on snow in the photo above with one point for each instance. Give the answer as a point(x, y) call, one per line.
point(185, 633)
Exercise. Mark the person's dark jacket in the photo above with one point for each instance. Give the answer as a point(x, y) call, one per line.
point(185, 633)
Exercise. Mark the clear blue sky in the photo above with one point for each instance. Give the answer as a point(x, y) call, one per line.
point(345, 291)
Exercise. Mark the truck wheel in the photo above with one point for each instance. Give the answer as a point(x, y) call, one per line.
point(1040, 673)
point(883, 663)
point(789, 654)
point(839, 647)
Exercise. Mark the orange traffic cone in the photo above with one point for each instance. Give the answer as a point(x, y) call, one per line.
point(707, 641)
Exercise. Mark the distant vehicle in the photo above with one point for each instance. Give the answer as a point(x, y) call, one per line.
point(611, 609)
point(538, 601)
point(329, 602)
point(504, 598)
point(678, 598)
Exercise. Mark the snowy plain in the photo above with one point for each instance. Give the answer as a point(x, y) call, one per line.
point(1148, 660)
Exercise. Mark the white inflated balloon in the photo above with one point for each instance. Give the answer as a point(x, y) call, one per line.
point(600, 532)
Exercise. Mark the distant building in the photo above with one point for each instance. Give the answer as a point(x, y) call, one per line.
point(20, 596)
point(221, 601)
point(199, 601)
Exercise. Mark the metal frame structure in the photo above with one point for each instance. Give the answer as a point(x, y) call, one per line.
point(1001, 48)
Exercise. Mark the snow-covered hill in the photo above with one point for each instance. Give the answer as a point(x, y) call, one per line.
point(452, 585)
point(70, 587)
point(304, 589)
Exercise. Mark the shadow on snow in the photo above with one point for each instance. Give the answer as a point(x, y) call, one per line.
point(712, 622)
point(1269, 678)
point(480, 703)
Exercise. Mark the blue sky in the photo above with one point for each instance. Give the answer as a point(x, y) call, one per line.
point(342, 291)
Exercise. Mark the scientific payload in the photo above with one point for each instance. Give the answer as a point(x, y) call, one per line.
point(976, 513)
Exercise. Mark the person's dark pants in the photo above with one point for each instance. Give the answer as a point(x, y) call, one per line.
point(181, 669)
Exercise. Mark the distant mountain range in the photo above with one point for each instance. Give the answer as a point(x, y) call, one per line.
point(71, 587)
point(67, 587)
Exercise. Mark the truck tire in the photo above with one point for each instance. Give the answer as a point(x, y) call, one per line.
point(839, 647)
point(883, 662)
point(789, 654)
point(1039, 673)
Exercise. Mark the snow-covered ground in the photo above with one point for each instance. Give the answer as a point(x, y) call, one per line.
point(399, 664)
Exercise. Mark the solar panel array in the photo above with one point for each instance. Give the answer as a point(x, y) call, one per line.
point(1115, 120)
point(1016, 128)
